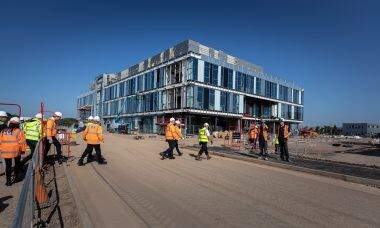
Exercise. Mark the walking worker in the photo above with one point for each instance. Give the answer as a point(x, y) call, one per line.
point(178, 136)
point(90, 120)
point(283, 135)
point(204, 138)
point(12, 145)
point(93, 135)
point(263, 141)
point(253, 136)
point(33, 133)
point(51, 132)
point(171, 135)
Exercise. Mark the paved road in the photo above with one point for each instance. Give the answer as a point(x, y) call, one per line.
point(137, 189)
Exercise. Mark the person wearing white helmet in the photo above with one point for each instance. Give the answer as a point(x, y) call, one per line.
point(283, 135)
point(263, 140)
point(33, 133)
point(51, 132)
point(204, 138)
point(170, 135)
point(12, 145)
point(93, 135)
point(178, 136)
point(3, 120)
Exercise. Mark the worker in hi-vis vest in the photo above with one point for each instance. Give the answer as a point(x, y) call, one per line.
point(33, 133)
point(204, 138)
point(12, 145)
point(93, 135)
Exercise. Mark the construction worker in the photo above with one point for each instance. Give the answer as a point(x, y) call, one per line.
point(51, 132)
point(276, 144)
point(171, 135)
point(253, 136)
point(90, 120)
point(3, 124)
point(3, 120)
point(263, 141)
point(12, 145)
point(178, 136)
point(204, 138)
point(93, 135)
point(283, 135)
point(33, 133)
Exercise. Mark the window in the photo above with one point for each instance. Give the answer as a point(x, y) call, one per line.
point(193, 69)
point(223, 101)
point(190, 97)
point(296, 94)
point(227, 78)
point(249, 84)
point(240, 81)
point(283, 93)
point(211, 100)
point(258, 86)
point(270, 89)
point(199, 102)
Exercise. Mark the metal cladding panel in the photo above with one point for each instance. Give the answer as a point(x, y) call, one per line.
point(217, 100)
point(241, 103)
point(201, 70)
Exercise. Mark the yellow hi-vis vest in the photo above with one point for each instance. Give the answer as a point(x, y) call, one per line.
point(33, 129)
point(202, 135)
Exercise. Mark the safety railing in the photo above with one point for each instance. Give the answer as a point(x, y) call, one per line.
point(32, 190)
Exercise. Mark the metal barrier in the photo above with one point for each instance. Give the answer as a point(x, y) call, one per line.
point(24, 214)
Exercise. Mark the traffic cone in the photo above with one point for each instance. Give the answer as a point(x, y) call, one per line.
point(41, 193)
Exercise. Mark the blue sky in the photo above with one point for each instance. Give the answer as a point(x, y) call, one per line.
point(51, 51)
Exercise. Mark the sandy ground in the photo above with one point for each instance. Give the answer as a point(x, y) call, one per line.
point(59, 211)
point(137, 189)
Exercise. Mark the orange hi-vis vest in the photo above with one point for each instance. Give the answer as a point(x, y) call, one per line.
point(253, 133)
point(12, 143)
point(171, 133)
point(93, 134)
point(265, 132)
point(51, 128)
point(286, 131)
point(178, 134)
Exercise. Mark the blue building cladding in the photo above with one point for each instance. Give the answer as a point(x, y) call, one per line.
point(190, 79)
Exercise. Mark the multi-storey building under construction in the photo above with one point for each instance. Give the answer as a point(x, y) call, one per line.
point(196, 84)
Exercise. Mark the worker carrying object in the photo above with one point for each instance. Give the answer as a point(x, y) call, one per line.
point(171, 135)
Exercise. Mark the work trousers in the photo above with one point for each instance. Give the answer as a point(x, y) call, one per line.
point(203, 148)
point(8, 166)
point(32, 145)
point(89, 149)
point(57, 145)
point(176, 147)
point(169, 152)
point(284, 149)
point(263, 147)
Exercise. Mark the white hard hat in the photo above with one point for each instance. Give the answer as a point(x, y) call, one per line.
point(97, 118)
point(172, 119)
point(14, 120)
point(21, 118)
point(177, 122)
point(3, 114)
point(38, 115)
point(282, 120)
point(205, 124)
point(59, 114)
point(90, 118)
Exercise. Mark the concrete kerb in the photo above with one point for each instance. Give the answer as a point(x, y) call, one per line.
point(84, 217)
point(359, 180)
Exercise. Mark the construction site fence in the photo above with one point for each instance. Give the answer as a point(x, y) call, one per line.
point(25, 211)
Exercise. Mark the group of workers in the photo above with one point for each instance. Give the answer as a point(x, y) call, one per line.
point(173, 134)
point(16, 135)
point(260, 133)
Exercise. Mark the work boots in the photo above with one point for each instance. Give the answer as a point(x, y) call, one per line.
point(198, 157)
point(208, 157)
point(9, 182)
point(80, 162)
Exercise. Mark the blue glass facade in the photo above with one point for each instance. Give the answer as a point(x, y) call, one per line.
point(191, 83)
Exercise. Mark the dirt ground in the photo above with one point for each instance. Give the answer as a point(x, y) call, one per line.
point(59, 211)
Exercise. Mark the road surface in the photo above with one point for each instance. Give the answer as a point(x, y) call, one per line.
point(137, 189)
